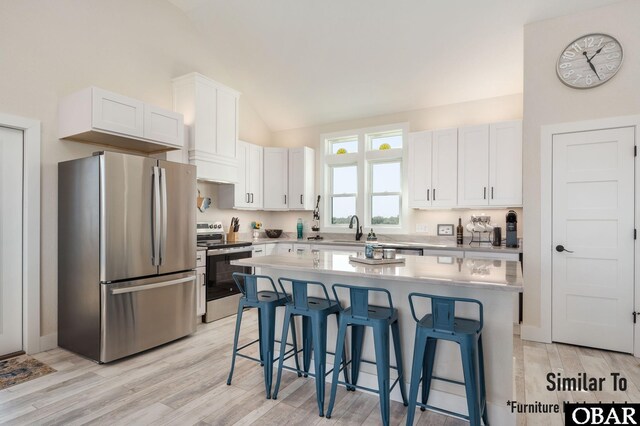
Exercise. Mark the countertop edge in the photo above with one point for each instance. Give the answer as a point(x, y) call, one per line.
point(475, 285)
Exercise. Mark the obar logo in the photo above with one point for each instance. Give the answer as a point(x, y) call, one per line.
point(601, 414)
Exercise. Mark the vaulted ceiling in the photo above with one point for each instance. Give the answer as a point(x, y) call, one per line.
point(308, 62)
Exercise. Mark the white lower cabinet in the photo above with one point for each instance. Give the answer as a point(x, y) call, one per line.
point(201, 282)
point(302, 248)
point(283, 248)
point(259, 250)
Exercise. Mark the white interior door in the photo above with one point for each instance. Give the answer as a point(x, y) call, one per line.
point(11, 162)
point(593, 219)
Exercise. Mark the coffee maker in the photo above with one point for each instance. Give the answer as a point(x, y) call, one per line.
point(512, 229)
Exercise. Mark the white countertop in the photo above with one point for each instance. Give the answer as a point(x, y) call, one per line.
point(500, 275)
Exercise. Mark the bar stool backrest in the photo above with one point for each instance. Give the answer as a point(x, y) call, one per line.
point(248, 285)
point(443, 310)
point(359, 299)
point(300, 291)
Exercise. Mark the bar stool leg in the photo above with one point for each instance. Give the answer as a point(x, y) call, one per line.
point(427, 375)
point(294, 337)
point(343, 358)
point(381, 343)
point(416, 370)
point(267, 315)
point(342, 335)
point(357, 339)
point(483, 391)
point(260, 337)
point(283, 349)
point(395, 331)
point(235, 341)
point(320, 359)
point(307, 344)
point(470, 381)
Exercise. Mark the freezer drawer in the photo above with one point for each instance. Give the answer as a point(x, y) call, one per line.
point(139, 315)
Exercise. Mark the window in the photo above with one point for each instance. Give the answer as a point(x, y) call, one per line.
point(386, 191)
point(363, 175)
point(391, 139)
point(345, 145)
point(344, 190)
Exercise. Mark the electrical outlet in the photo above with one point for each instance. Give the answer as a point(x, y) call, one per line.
point(421, 227)
point(445, 230)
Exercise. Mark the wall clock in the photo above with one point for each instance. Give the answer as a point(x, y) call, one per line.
point(589, 61)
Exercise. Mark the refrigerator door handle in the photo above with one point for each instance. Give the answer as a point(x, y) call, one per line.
point(155, 237)
point(163, 232)
point(134, 289)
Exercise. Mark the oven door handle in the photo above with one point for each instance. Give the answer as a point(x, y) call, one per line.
point(218, 252)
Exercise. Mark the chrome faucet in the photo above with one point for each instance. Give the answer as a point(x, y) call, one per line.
point(358, 227)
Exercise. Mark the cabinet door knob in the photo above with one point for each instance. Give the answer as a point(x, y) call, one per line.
point(492, 192)
point(301, 202)
point(484, 196)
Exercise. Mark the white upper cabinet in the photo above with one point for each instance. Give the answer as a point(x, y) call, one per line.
point(490, 165)
point(505, 165)
point(99, 116)
point(444, 176)
point(419, 169)
point(473, 165)
point(276, 179)
point(247, 192)
point(211, 111)
point(433, 169)
point(117, 113)
point(301, 178)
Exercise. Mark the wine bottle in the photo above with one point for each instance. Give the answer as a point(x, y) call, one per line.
point(459, 231)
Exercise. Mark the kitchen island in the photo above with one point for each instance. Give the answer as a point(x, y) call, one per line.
point(495, 283)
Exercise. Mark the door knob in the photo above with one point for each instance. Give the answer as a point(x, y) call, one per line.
point(560, 248)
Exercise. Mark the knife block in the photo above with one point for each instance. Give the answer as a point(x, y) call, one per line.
point(232, 237)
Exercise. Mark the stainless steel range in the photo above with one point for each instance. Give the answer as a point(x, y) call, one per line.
point(222, 292)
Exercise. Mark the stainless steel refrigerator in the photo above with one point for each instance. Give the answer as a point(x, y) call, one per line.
point(126, 254)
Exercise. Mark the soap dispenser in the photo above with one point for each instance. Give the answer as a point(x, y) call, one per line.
point(300, 228)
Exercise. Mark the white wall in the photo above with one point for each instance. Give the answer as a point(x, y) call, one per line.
point(548, 101)
point(53, 48)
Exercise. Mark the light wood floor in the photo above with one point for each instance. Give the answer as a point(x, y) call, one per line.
point(184, 383)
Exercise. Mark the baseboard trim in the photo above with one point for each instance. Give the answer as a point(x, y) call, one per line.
point(48, 342)
point(534, 334)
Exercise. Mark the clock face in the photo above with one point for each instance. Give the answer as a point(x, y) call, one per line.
point(589, 61)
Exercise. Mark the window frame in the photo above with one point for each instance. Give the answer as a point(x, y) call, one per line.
point(372, 194)
point(331, 195)
point(363, 159)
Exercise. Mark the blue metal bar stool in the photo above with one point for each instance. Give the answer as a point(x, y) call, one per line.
point(266, 302)
point(359, 315)
point(315, 312)
point(442, 324)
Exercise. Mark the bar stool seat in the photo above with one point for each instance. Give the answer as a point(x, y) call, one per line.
point(315, 312)
point(381, 319)
point(442, 324)
point(265, 302)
